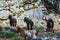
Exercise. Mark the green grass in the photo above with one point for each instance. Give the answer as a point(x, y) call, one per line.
point(16, 38)
point(10, 35)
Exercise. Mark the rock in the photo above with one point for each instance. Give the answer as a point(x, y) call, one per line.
point(3, 14)
point(35, 21)
point(2, 3)
point(34, 36)
point(3, 23)
point(5, 31)
point(21, 9)
point(51, 15)
point(47, 38)
point(30, 33)
point(38, 3)
point(10, 3)
point(54, 38)
point(59, 20)
point(5, 4)
point(14, 9)
point(35, 13)
point(21, 1)
point(27, 7)
point(21, 5)
point(34, 6)
point(11, 28)
point(28, 1)
point(38, 25)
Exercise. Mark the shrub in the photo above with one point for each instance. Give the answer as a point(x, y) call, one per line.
point(16, 38)
point(10, 34)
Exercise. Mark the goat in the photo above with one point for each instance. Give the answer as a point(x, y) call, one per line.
point(27, 33)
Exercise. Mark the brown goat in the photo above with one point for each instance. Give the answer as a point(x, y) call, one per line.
point(22, 33)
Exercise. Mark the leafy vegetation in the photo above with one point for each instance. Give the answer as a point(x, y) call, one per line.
point(10, 35)
point(16, 38)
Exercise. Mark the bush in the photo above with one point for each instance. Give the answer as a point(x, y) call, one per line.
point(10, 34)
point(16, 38)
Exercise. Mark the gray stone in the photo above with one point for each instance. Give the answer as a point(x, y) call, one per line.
point(12, 28)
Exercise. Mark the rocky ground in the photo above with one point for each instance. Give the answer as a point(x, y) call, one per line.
point(35, 10)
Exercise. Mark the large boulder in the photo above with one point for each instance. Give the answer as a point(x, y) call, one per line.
point(4, 14)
